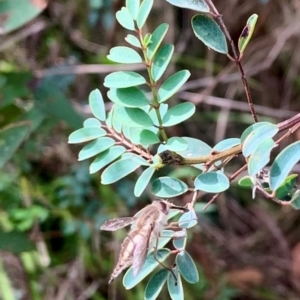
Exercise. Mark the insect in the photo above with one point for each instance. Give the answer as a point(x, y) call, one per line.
point(148, 223)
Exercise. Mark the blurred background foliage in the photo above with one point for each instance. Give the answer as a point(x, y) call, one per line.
point(51, 56)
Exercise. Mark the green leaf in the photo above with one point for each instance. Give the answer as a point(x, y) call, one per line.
point(133, 7)
point(261, 156)
point(143, 13)
point(130, 281)
point(155, 284)
point(123, 79)
point(86, 134)
point(156, 39)
point(132, 117)
point(295, 201)
point(147, 40)
point(245, 181)
point(198, 5)
point(132, 40)
point(212, 182)
point(187, 267)
point(172, 85)
point(247, 33)
point(144, 137)
point(195, 148)
point(92, 122)
point(175, 288)
point(178, 114)
point(11, 138)
point(16, 14)
point(209, 32)
point(128, 97)
point(106, 157)
point(118, 170)
point(188, 220)
point(227, 144)
point(180, 239)
point(256, 137)
point(161, 61)
point(143, 181)
point(283, 164)
point(167, 187)
point(97, 105)
point(124, 18)
point(124, 55)
point(286, 187)
point(252, 128)
point(176, 144)
point(95, 147)
point(15, 242)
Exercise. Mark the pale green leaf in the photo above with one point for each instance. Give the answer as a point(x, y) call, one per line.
point(86, 134)
point(143, 13)
point(178, 114)
point(156, 39)
point(97, 105)
point(143, 181)
point(125, 55)
point(212, 182)
point(123, 79)
point(124, 18)
point(187, 267)
point(167, 187)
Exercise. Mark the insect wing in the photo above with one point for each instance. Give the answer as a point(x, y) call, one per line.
point(140, 250)
point(115, 224)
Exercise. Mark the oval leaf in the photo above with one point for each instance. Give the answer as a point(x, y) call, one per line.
point(86, 134)
point(124, 18)
point(132, 40)
point(161, 61)
point(144, 137)
point(155, 284)
point(172, 85)
point(128, 97)
point(188, 220)
point(133, 7)
point(187, 267)
point(283, 164)
point(129, 280)
point(167, 187)
point(209, 32)
point(92, 122)
point(132, 117)
point(97, 105)
point(118, 170)
point(227, 144)
point(143, 13)
point(143, 181)
point(123, 79)
point(175, 287)
point(199, 5)
point(180, 239)
point(261, 156)
point(178, 114)
point(124, 55)
point(106, 157)
point(176, 144)
point(95, 147)
point(156, 39)
point(212, 182)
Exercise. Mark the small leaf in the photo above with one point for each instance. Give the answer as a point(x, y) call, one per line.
point(155, 284)
point(180, 239)
point(209, 32)
point(124, 18)
point(92, 122)
point(188, 220)
point(176, 144)
point(143, 181)
point(86, 134)
point(257, 136)
point(172, 85)
point(130, 281)
point(295, 201)
point(133, 7)
point(212, 182)
point(124, 55)
point(118, 170)
point(247, 33)
point(11, 138)
point(143, 13)
point(286, 187)
point(123, 79)
point(245, 181)
point(156, 39)
point(167, 187)
point(132, 40)
point(106, 157)
point(128, 97)
point(261, 156)
point(97, 105)
point(283, 164)
point(95, 147)
point(175, 287)
point(161, 61)
point(187, 267)
point(178, 114)
point(144, 137)
point(132, 117)
point(227, 144)
point(198, 5)
point(251, 128)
